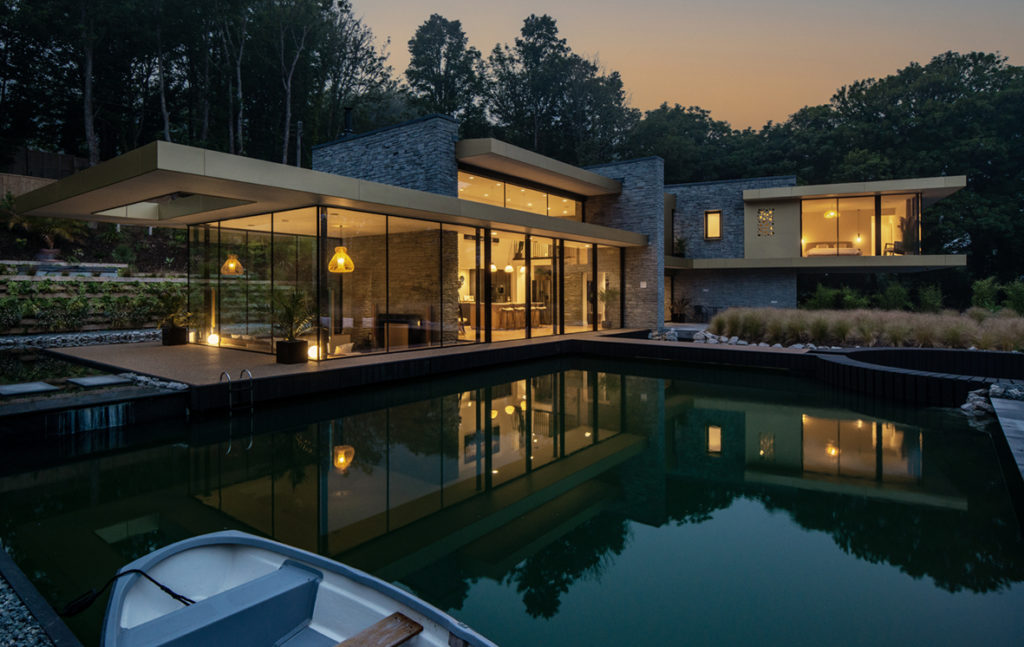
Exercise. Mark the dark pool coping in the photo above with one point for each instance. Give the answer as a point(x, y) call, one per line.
point(48, 620)
point(1010, 447)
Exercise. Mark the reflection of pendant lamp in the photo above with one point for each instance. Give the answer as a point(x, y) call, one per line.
point(341, 262)
point(830, 214)
point(509, 268)
point(494, 268)
point(343, 457)
point(232, 266)
point(509, 409)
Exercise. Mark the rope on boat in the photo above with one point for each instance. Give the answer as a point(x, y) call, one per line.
point(84, 601)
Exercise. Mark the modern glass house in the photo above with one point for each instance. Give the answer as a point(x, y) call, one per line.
point(406, 237)
point(378, 268)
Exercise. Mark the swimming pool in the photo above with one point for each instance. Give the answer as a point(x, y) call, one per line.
point(577, 502)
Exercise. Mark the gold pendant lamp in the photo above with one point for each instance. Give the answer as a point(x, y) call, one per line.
point(341, 262)
point(232, 266)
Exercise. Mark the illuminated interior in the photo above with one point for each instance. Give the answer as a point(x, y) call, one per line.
point(887, 225)
point(488, 190)
point(399, 283)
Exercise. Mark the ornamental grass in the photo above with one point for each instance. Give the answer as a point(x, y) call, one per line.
point(1000, 331)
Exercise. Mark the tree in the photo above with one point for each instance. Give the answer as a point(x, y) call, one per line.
point(543, 96)
point(442, 73)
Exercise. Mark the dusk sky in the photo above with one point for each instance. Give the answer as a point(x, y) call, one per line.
point(747, 61)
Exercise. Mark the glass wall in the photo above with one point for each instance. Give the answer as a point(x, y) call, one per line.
point(579, 287)
point(861, 226)
point(609, 282)
point(544, 285)
point(521, 197)
point(508, 286)
point(462, 284)
point(367, 283)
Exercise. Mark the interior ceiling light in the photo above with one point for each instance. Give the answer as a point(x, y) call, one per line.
point(341, 262)
point(232, 266)
point(509, 269)
point(830, 214)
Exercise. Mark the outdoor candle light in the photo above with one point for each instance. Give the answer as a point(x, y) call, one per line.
point(213, 339)
point(232, 266)
point(313, 352)
point(341, 262)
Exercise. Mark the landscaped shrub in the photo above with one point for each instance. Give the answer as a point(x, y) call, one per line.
point(56, 314)
point(824, 298)
point(929, 298)
point(978, 315)
point(10, 312)
point(1014, 297)
point(851, 299)
point(893, 297)
point(1002, 331)
point(985, 294)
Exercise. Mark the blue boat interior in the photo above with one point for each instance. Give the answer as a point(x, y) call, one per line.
point(277, 606)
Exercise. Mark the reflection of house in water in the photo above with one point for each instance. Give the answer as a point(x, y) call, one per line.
point(417, 476)
point(800, 446)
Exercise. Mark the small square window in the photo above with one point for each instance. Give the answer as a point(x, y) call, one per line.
point(714, 439)
point(712, 225)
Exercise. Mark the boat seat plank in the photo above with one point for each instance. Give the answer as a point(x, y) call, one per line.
point(389, 632)
point(269, 607)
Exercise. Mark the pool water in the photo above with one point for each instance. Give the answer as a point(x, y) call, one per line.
point(577, 503)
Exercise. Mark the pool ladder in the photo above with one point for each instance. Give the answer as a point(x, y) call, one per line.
point(239, 388)
point(247, 404)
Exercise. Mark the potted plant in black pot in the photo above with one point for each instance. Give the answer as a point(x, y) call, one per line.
point(292, 317)
point(174, 317)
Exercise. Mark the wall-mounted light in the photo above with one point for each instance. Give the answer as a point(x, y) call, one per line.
point(232, 266)
point(341, 262)
point(343, 457)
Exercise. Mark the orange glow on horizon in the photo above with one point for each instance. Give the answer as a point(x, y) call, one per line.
point(773, 59)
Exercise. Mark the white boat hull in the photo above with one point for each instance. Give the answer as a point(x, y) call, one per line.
point(249, 590)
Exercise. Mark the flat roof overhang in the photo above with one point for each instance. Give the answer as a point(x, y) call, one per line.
point(819, 264)
point(501, 157)
point(172, 185)
point(932, 189)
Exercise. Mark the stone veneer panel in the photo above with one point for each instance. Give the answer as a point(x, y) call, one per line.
point(417, 154)
point(639, 208)
point(692, 200)
point(720, 289)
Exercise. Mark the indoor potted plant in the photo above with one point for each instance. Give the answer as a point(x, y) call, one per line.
point(610, 298)
point(174, 318)
point(292, 317)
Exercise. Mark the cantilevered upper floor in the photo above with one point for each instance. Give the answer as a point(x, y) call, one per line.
point(856, 226)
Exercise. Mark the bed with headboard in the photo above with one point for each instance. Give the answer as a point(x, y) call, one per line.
point(832, 248)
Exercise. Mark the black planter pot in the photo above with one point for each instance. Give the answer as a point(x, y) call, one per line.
point(292, 352)
point(174, 335)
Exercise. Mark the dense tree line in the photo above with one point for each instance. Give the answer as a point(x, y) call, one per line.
point(100, 77)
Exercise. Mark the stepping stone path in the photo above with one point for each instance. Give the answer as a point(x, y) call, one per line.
point(99, 380)
point(26, 388)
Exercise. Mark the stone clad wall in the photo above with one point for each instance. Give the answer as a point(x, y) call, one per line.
point(639, 208)
point(720, 289)
point(418, 154)
point(692, 200)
